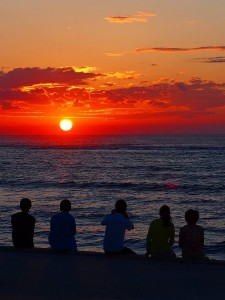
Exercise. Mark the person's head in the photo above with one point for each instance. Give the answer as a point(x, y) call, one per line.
point(25, 204)
point(191, 216)
point(121, 206)
point(65, 206)
point(164, 213)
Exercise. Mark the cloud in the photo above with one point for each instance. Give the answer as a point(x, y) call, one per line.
point(19, 77)
point(165, 49)
point(123, 75)
point(145, 14)
point(169, 50)
point(197, 95)
point(84, 69)
point(114, 54)
point(164, 97)
point(211, 60)
point(122, 19)
point(26, 88)
point(139, 17)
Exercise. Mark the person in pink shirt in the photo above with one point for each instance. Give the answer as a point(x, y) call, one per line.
point(191, 237)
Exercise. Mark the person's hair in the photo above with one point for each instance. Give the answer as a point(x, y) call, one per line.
point(191, 216)
point(121, 206)
point(164, 213)
point(25, 204)
point(65, 205)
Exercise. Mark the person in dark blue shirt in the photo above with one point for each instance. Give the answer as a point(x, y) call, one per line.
point(63, 229)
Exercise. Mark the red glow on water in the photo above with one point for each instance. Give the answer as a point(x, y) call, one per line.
point(172, 185)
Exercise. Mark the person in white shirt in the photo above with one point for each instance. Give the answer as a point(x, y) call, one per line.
point(116, 224)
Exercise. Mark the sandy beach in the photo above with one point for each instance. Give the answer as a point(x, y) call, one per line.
point(42, 274)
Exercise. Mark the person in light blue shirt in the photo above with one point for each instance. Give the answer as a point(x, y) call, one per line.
point(63, 229)
point(116, 225)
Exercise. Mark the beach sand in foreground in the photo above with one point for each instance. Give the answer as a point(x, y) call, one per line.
point(41, 274)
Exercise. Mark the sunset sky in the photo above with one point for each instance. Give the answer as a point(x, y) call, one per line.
point(113, 67)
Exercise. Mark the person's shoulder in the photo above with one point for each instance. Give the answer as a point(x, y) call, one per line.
point(65, 216)
point(105, 220)
point(156, 222)
point(69, 216)
point(199, 227)
point(16, 215)
point(27, 216)
point(122, 218)
point(183, 228)
point(32, 218)
point(109, 216)
point(115, 217)
point(56, 216)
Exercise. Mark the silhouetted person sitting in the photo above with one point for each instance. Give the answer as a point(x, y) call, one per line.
point(191, 237)
point(116, 224)
point(160, 237)
point(63, 229)
point(23, 226)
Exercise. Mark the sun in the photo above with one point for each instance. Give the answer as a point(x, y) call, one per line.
point(66, 124)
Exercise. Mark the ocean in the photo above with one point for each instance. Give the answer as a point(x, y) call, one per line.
point(147, 171)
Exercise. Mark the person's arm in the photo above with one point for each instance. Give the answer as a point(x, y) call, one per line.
point(72, 224)
point(172, 236)
point(202, 237)
point(75, 227)
point(130, 225)
point(12, 221)
point(103, 222)
point(34, 222)
point(148, 241)
point(181, 242)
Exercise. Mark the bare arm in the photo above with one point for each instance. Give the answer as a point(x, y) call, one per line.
point(181, 242)
point(172, 236)
point(148, 241)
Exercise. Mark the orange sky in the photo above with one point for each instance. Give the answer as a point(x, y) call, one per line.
point(127, 67)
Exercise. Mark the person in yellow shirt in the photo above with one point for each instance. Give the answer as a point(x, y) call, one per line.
point(160, 237)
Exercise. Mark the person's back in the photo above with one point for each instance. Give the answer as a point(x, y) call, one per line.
point(116, 225)
point(191, 237)
point(23, 226)
point(160, 236)
point(63, 229)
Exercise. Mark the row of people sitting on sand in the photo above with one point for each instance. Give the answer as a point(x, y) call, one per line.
point(159, 240)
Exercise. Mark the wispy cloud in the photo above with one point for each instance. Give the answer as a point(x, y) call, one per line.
point(140, 17)
point(212, 60)
point(169, 50)
point(114, 54)
point(191, 22)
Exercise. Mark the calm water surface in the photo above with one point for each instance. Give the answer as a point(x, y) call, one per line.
point(183, 171)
